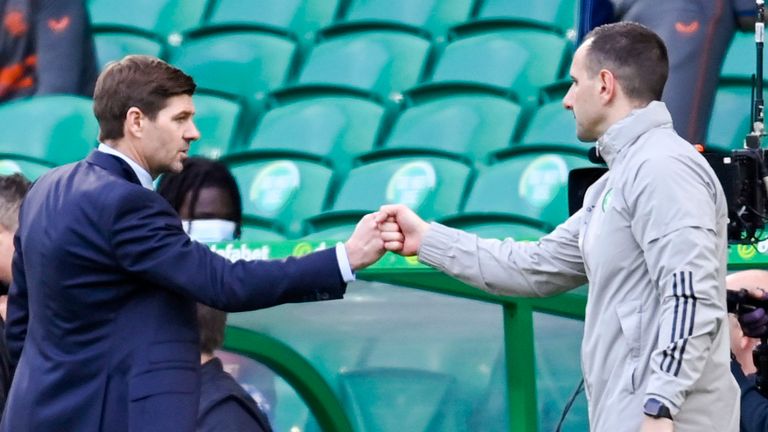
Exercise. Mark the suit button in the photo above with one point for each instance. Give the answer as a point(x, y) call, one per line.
point(324, 296)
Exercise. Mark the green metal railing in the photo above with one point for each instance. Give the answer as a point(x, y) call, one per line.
point(407, 272)
point(517, 318)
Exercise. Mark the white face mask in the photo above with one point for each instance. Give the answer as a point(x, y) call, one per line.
point(209, 230)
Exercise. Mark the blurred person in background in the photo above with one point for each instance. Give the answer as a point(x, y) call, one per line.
point(46, 47)
point(207, 199)
point(745, 334)
point(13, 189)
point(697, 34)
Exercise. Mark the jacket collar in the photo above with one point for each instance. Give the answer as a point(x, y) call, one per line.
point(626, 131)
point(114, 165)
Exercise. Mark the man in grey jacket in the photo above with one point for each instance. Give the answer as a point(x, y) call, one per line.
point(650, 240)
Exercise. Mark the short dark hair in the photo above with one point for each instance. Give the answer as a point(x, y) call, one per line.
point(199, 173)
point(636, 55)
point(211, 323)
point(139, 81)
point(13, 189)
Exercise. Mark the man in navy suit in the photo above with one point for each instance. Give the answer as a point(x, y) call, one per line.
point(101, 316)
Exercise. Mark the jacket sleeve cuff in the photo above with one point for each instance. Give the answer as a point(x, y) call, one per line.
point(436, 246)
point(344, 267)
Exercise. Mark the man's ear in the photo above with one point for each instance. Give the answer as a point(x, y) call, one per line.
point(134, 122)
point(608, 85)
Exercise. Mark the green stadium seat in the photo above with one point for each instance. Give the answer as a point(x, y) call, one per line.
point(48, 130)
point(741, 57)
point(217, 119)
point(114, 45)
point(280, 193)
point(431, 185)
point(434, 16)
point(302, 17)
point(384, 59)
point(518, 57)
point(730, 116)
point(551, 124)
point(560, 14)
point(527, 185)
point(165, 18)
point(253, 232)
point(332, 123)
point(467, 121)
point(419, 397)
point(240, 62)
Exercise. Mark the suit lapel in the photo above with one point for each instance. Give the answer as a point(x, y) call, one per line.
point(114, 165)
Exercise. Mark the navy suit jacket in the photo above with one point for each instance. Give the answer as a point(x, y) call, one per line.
point(102, 328)
point(225, 406)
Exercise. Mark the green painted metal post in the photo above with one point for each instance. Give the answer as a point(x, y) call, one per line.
point(297, 371)
point(521, 367)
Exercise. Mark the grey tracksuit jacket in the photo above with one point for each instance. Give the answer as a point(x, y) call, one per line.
point(651, 242)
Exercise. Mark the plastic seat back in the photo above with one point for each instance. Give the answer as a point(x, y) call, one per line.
point(730, 116)
point(430, 185)
point(465, 121)
point(328, 123)
point(114, 45)
point(382, 59)
point(165, 18)
point(281, 193)
point(740, 58)
point(520, 58)
point(241, 62)
point(56, 129)
point(561, 14)
point(434, 16)
point(302, 17)
point(217, 120)
point(527, 184)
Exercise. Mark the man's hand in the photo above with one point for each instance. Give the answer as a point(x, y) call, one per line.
point(651, 424)
point(401, 229)
point(365, 246)
point(755, 323)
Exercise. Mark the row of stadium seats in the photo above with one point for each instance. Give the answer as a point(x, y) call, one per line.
point(171, 20)
point(464, 121)
point(383, 58)
point(339, 126)
point(243, 71)
point(288, 193)
point(334, 125)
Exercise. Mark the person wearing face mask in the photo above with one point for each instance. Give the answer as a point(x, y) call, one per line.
point(207, 199)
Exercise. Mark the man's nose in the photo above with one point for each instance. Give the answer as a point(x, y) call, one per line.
point(567, 102)
point(192, 132)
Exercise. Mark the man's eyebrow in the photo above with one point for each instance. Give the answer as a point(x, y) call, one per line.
point(183, 114)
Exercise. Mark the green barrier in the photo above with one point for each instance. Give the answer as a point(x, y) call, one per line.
point(296, 371)
point(407, 272)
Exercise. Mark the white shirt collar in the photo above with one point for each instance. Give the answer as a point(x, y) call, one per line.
point(141, 173)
